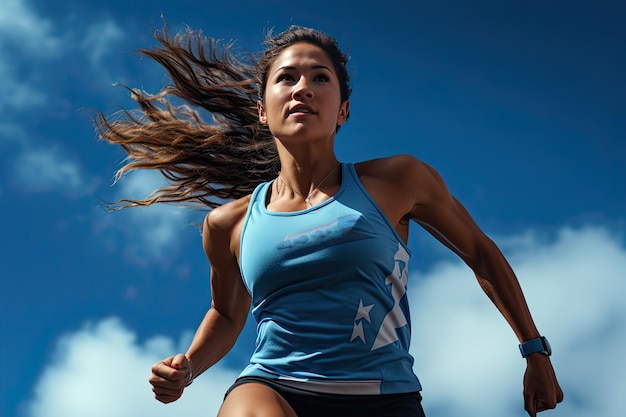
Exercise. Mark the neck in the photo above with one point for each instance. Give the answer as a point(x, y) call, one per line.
point(314, 184)
point(305, 155)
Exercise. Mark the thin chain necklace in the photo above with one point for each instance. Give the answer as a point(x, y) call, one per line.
point(307, 198)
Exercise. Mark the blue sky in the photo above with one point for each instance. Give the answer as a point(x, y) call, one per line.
point(519, 105)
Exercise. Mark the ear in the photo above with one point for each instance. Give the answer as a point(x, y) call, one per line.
point(261, 110)
point(344, 113)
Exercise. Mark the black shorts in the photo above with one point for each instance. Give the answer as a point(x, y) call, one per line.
point(315, 404)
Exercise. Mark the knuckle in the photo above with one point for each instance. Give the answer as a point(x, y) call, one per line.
point(155, 367)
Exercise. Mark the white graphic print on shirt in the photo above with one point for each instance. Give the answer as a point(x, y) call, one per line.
point(395, 319)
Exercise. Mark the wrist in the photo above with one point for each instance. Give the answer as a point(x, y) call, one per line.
point(190, 374)
point(536, 345)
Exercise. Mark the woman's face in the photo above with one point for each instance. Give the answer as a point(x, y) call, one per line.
point(302, 95)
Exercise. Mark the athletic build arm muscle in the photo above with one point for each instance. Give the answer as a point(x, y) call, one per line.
point(222, 324)
point(230, 305)
point(446, 219)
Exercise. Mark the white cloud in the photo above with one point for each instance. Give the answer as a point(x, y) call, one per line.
point(29, 45)
point(22, 25)
point(38, 168)
point(15, 93)
point(102, 371)
point(150, 233)
point(29, 40)
point(99, 38)
point(466, 356)
point(12, 134)
point(41, 169)
point(24, 36)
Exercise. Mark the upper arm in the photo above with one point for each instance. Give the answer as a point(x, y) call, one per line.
point(442, 215)
point(220, 238)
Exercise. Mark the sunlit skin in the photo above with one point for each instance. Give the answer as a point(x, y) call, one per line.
point(302, 108)
point(302, 98)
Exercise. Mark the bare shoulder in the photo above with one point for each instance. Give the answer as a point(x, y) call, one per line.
point(220, 238)
point(403, 173)
point(222, 227)
point(390, 181)
point(226, 216)
point(400, 183)
point(393, 167)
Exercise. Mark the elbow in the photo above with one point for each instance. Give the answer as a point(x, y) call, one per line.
point(236, 316)
point(485, 255)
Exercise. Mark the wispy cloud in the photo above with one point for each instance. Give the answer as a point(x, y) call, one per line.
point(30, 47)
point(22, 26)
point(30, 43)
point(466, 356)
point(34, 167)
point(25, 38)
point(49, 170)
point(148, 233)
point(98, 39)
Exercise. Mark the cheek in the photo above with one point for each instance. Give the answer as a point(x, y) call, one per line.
point(273, 100)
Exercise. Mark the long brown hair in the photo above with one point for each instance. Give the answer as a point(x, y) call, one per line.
point(206, 163)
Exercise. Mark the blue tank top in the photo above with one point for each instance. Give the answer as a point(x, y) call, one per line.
point(328, 287)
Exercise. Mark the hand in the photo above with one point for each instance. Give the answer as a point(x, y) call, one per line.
point(169, 378)
point(541, 389)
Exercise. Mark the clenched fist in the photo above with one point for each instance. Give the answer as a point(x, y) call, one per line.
point(170, 377)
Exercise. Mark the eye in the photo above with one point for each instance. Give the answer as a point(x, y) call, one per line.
point(322, 77)
point(284, 77)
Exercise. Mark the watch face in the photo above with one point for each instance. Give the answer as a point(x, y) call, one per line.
point(547, 349)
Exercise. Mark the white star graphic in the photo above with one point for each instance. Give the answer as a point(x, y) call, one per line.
point(363, 312)
point(358, 332)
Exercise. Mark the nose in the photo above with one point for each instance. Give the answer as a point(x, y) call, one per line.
point(302, 89)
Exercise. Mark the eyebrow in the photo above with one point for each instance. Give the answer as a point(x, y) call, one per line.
point(290, 67)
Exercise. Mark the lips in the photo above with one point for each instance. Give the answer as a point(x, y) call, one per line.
point(301, 109)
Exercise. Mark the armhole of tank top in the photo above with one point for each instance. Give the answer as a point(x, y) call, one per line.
point(258, 191)
point(359, 184)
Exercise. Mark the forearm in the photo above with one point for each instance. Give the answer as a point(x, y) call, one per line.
point(214, 338)
point(498, 281)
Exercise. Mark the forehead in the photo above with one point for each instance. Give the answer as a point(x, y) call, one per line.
point(302, 55)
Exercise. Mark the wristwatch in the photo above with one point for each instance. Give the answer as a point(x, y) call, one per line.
point(539, 344)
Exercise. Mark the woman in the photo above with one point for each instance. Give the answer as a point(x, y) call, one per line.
point(315, 246)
